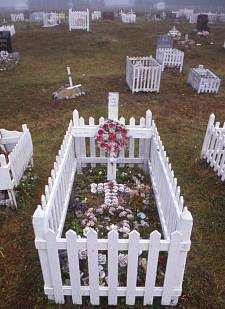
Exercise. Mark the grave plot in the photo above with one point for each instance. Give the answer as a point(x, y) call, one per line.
point(129, 18)
point(10, 28)
point(16, 151)
point(50, 20)
point(213, 149)
point(8, 58)
point(69, 91)
point(174, 33)
point(143, 74)
point(79, 20)
point(116, 145)
point(170, 58)
point(203, 80)
point(17, 17)
point(96, 15)
point(164, 41)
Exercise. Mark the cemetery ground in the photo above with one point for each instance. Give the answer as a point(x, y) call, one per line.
point(97, 60)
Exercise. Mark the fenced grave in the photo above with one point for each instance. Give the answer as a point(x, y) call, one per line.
point(16, 150)
point(129, 18)
point(143, 74)
point(213, 149)
point(49, 218)
point(79, 20)
point(50, 19)
point(203, 80)
point(170, 58)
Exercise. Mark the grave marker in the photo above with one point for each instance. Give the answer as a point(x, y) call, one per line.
point(5, 41)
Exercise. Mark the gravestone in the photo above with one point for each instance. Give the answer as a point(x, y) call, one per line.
point(5, 41)
point(202, 22)
point(108, 15)
point(164, 41)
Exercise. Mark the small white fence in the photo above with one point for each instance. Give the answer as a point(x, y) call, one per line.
point(20, 148)
point(213, 149)
point(203, 80)
point(79, 20)
point(17, 17)
point(37, 17)
point(170, 58)
point(48, 221)
point(128, 18)
point(96, 15)
point(143, 74)
point(50, 19)
point(10, 28)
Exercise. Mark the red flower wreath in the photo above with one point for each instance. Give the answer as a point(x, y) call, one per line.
point(112, 137)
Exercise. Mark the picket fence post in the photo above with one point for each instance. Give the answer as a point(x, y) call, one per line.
point(40, 225)
point(207, 135)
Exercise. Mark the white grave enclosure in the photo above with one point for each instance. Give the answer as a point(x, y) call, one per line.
point(50, 19)
point(17, 17)
point(170, 58)
point(213, 149)
point(96, 15)
point(143, 74)
point(145, 148)
point(129, 17)
point(10, 28)
point(203, 80)
point(18, 149)
point(79, 20)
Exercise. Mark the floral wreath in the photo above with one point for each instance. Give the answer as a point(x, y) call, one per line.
point(112, 137)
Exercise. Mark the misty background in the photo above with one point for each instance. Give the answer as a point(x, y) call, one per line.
point(141, 5)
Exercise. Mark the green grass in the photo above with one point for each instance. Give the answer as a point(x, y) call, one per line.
point(97, 60)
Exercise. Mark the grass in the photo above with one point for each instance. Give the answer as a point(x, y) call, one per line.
point(97, 60)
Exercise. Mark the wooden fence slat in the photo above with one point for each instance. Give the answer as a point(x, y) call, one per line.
point(53, 257)
point(132, 142)
point(153, 255)
point(73, 259)
point(92, 249)
point(112, 267)
point(171, 271)
point(92, 142)
point(133, 251)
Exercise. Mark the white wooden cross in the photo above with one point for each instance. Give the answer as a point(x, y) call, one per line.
point(113, 111)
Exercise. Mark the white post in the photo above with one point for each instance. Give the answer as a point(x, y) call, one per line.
point(88, 21)
point(111, 169)
point(113, 106)
point(76, 122)
point(207, 135)
point(40, 225)
point(70, 76)
point(148, 125)
point(113, 111)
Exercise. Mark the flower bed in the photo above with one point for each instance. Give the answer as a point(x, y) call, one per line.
point(131, 207)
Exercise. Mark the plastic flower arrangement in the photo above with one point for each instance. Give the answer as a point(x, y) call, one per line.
point(112, 137)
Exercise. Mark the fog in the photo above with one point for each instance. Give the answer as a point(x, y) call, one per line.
point(146, 4)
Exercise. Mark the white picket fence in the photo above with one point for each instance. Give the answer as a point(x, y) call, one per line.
point(143, 74)
point(79, 20)
point(10, 28)
point(20, 148)
point(203, 80)
point(170, 58)
point(50, 19)
point(48, 221)
point(213, 149)
point(17, 17)
point(128, 18)
point(96, 15)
